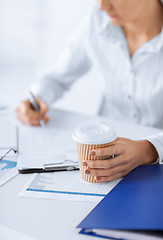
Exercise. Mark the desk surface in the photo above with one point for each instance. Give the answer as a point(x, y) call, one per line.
point(52, 219)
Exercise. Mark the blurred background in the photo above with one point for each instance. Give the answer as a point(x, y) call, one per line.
point(33, 34)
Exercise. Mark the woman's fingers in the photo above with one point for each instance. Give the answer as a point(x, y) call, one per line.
point(27, 120)
point(111, 178)
point(107, 172)
point(108, 163)
point(28, 116)
point(129, 154)
point(43, 108)
point(115, 149)
point(30, 121)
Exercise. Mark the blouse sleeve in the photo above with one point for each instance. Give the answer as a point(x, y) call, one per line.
point(157, 142)
point(73, 63)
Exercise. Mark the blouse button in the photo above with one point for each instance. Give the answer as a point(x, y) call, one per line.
point(129, 97)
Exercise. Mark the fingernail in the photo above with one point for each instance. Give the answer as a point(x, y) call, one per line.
point(98, 178)
point(85, 164)
point(46, 120)
point(87, 172)
point(92, 153)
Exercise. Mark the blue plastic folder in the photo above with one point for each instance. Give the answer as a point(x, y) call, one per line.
point(136, 203)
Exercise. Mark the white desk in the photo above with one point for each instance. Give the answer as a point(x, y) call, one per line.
point(51, 219)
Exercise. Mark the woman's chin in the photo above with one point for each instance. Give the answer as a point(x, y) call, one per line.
point(116, 22)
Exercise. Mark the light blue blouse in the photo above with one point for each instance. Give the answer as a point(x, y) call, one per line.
point(133, 85)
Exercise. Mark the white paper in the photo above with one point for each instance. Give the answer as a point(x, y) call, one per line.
point(9, 137)
point(7, 233)
point(130, 235)
point(66, 185)
point(43, 146)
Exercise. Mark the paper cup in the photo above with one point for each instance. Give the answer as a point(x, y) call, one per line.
point(88, 137)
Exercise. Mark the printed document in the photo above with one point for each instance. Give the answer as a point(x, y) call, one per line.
point(66, 185)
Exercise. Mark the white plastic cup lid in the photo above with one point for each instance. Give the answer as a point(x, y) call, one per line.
point(94, 133)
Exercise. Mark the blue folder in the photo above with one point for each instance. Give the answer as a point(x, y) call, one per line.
point(136, 203)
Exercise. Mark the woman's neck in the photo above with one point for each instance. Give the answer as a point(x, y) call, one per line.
point(148, 24)
point(145, 27)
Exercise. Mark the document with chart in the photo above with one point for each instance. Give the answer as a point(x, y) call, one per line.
point(8, 170)
point(66, 185)
point(8, 151)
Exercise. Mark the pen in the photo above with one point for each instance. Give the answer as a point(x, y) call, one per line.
point(35, 106)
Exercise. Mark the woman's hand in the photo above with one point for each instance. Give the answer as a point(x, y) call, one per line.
point(128, 154)
point(28, 116)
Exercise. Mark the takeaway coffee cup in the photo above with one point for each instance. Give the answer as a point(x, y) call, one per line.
point(88, 137)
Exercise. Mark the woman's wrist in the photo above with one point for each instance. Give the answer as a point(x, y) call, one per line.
point(149, 152)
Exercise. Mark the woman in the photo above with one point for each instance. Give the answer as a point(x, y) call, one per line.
point(125, 38)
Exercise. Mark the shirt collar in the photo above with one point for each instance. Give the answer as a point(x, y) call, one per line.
point(155, 44)
point(113, 33)
point(117, 37)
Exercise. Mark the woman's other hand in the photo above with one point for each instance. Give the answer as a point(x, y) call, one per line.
point(128, 154)
point(28, 116)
